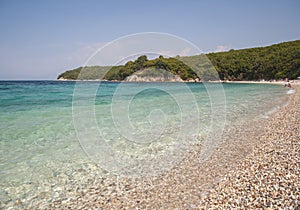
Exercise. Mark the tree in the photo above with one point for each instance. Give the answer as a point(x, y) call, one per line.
point(140, 62)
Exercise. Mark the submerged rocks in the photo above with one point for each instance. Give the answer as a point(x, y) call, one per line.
point(257, 167)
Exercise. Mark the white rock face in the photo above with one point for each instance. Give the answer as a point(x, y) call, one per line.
point(153, 75)
point(62, 79)
point(136, 78)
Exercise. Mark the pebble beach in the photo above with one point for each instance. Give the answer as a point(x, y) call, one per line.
point(269, 177)
point(256, 166)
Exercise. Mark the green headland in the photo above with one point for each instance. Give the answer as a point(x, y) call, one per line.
point(273, 62)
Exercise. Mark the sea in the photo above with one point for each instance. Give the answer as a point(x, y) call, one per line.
point(58, 134)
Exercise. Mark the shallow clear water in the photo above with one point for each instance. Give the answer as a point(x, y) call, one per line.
point(47, 128)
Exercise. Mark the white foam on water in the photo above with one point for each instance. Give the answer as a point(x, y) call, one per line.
point(291, 91)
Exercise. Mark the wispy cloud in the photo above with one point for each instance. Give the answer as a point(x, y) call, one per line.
point(222, 48)
point(84, 52)
point(186, 51)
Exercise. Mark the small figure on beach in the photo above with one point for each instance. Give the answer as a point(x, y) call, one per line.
point(287, 83)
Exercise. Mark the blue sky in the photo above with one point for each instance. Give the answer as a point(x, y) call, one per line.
point(40, 39)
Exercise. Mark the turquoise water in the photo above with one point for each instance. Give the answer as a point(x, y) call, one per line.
point(48, 131)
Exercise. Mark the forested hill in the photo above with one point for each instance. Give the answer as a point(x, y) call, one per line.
point(272, 62)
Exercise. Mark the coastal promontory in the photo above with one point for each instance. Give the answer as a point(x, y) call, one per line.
point(273, 62)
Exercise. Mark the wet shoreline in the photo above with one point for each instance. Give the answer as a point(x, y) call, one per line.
point(197, 184)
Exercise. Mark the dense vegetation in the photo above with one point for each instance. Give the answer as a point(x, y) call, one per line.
point(86, 73)
point(172, 65)
point(273, 62)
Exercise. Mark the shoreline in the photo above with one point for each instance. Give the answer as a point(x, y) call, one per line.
point(295, 82)
point(209, 184)
point(269, 176)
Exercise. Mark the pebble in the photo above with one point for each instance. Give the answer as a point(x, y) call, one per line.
point(256, 168)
